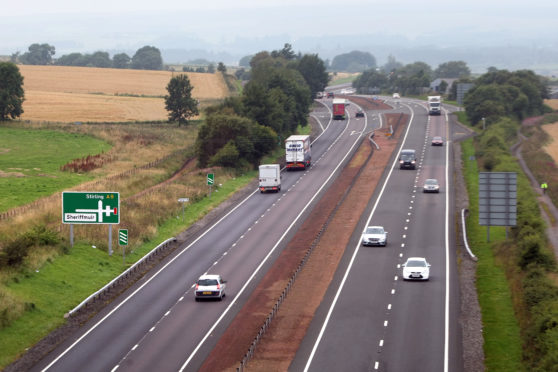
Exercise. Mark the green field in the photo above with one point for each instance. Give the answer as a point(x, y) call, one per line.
point(30, 162)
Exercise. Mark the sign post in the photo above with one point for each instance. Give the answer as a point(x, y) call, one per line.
point(123, 242)
point(91, 208)
point(210, 181)
point(183, 201)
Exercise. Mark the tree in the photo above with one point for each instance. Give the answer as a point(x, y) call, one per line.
point(391, 65)
point(38, 54)
point(287, 52)
point(452, 69)
point(371, 81)
point(314, 72)
point(72, 59)
point(179, 102)
point(354, 61)
point(11, 91)
point(100, 59)
point(231, 140)
point(503, 93)
point(411, 78)
point(221, 68)
point(245, 61)
point(121, 60)
point(211, 68)
point(147, 58)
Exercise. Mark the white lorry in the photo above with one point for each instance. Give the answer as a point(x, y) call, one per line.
point(434, 105)
point(297, 152)
point(270, 177)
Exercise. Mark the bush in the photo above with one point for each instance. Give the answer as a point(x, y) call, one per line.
point(537, 288)
point(18, 249)
point(530, 248)
point(15, 252)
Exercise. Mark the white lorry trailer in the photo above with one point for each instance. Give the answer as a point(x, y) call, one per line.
point(270, 177)
point(297, 152)
point(434, 105)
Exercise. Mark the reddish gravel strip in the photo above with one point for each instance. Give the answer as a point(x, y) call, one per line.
point(338, 210)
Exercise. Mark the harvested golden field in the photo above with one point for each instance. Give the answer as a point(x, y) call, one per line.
point(68, 94)
point(552, 103)
point(552, 148)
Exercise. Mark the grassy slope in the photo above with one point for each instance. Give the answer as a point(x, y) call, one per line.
point(502, 341)
point(36, 156)
point(63, 283)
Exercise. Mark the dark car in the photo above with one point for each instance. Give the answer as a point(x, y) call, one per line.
point(437, 141)
point(359, 114)
point(407, 159)
point(329, 94)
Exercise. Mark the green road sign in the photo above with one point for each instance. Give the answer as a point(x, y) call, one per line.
point(123, 237)
point(210, 179)
point(90, 207)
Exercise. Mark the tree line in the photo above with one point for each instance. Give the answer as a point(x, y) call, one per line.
point(410, 79)
point(145, 58)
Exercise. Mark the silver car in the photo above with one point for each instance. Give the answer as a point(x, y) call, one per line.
point(431, 185)
point(210, 286)
point(416, 268)
point(374, 235)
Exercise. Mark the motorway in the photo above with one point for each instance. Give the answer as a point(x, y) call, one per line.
point(369, 319)
point(372, 320)
point(156, 324)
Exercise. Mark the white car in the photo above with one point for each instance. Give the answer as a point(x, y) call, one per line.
point(416, 268)
point(210, 286)
point(431, 185)
point(396, 95)
point(374, 235)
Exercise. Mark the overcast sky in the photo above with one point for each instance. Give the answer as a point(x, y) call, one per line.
point(87, 26)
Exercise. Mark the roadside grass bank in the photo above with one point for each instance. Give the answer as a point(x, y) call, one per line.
point(520, 317)
point(31, 292)
point(62, 283)
point(502, 342)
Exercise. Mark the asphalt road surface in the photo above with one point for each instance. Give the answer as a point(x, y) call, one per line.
point(372, 320)
point(156, 324)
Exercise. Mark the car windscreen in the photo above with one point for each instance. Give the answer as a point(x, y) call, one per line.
point(374, 230)
point(407, 156)
point(207, 282)
point(416, 263)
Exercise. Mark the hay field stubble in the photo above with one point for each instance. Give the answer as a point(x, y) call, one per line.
point(552, 147)
point(88, 94)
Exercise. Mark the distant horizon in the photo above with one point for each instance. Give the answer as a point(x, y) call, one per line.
point(449, 31)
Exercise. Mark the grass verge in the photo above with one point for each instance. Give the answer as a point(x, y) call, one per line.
point(502, 341)
point(54, 289)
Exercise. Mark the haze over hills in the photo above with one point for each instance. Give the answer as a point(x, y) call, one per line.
point(540, 56)
point(500, 33)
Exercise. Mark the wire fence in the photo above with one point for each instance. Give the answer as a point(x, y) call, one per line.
point(57, 196)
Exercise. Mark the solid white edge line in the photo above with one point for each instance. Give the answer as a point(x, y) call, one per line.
point(143, 285)
point(330, 311)
point(447, 294)
point(164, 267)
point(270, 252)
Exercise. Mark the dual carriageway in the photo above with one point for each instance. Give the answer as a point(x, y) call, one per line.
point(369, 318)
